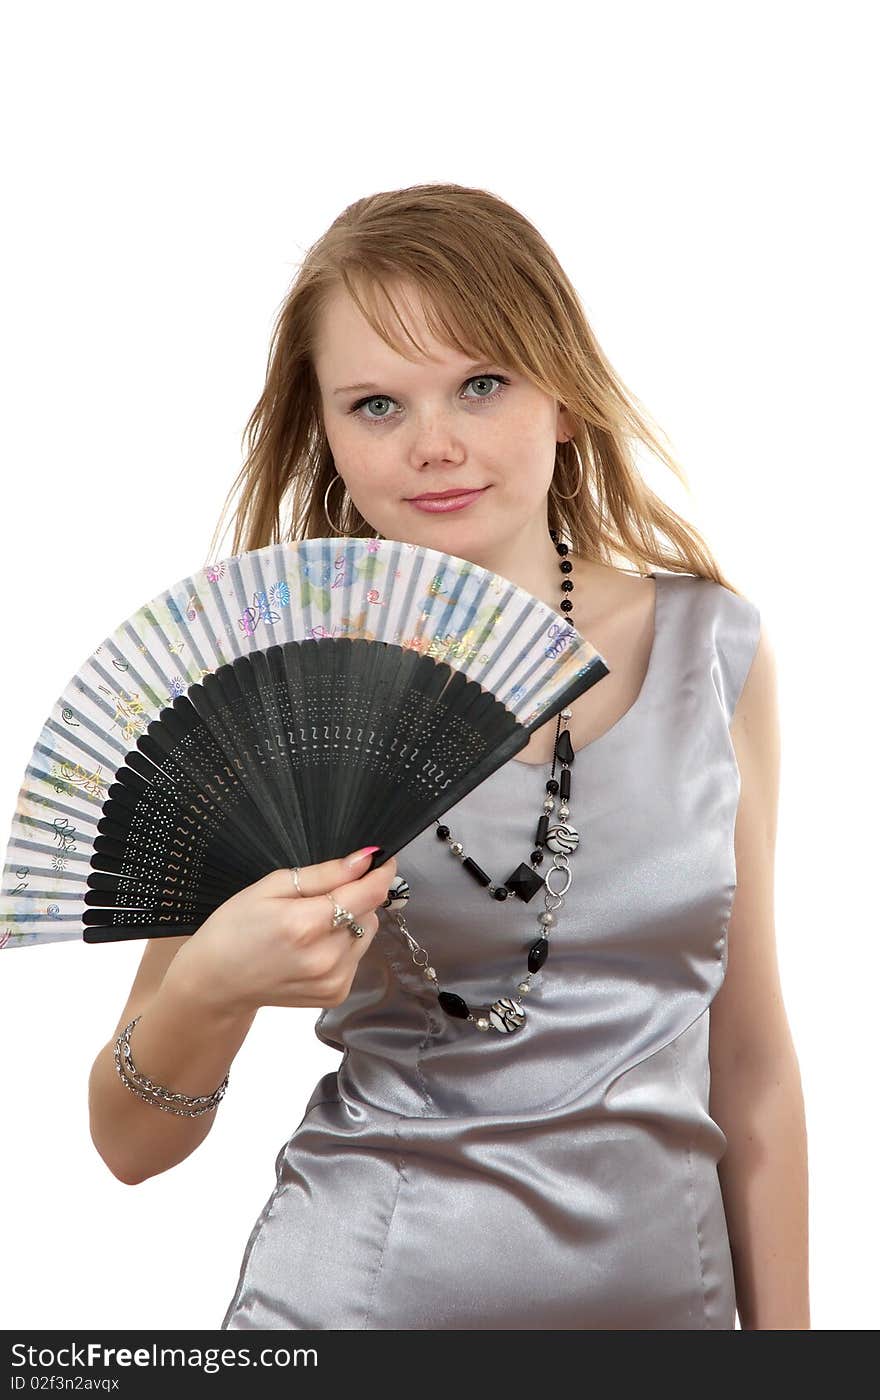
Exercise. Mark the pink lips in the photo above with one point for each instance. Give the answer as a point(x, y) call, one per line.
point(439, 504)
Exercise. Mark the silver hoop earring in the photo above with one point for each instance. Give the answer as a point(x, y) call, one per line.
point(336, 477)
point(333, 527)
point(580, 482)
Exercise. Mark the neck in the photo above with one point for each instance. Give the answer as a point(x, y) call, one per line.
point(529, 559)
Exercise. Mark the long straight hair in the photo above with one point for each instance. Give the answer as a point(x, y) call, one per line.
point(491, 287)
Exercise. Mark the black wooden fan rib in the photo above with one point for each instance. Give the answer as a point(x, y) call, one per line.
point(224, 706)
point(171, 843)
point(260, 710)
point(201, 760)
point(446, 724)
point(376, 756)
point(179, 763)
point(305, 690)
point(227, 820)
point(110, 891)
point(355, 692)
point(271, 684)
point(346, 661)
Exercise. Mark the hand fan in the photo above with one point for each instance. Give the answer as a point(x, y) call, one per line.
point(282, 707)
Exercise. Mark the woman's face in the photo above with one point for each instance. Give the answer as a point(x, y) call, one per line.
point(397, 429)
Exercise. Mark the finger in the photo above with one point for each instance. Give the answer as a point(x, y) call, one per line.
point(323, 877)
point(362, 893)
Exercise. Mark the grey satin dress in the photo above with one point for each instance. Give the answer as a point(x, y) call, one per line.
point(562, 1176)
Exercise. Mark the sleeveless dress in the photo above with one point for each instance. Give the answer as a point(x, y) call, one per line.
point(564, 1175)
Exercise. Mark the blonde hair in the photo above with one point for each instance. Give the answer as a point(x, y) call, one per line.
point(491, 287)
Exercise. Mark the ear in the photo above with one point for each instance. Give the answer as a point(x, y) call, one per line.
point(565, 424)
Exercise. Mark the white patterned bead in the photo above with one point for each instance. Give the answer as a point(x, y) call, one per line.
point(562, 839)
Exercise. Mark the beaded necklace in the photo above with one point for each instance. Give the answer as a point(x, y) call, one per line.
point(507, 1013)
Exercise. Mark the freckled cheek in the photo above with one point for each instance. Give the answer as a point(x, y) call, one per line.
point(369, 484)
point(362, 469)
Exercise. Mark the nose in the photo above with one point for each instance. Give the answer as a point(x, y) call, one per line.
point(434, 441)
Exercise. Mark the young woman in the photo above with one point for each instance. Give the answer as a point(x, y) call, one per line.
point(545, 1149)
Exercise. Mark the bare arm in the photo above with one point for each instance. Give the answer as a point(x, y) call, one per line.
point(181, 1042)
point(198, 996)
point(756, 1095)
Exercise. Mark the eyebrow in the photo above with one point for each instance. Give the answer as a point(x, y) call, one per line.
point(478, 368)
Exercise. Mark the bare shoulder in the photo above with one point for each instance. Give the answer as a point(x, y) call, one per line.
point(607, 595)
point(615, 611)
point(749, 1029)
point(755, 720)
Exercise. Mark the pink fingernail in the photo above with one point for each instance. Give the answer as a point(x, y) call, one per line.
point(361, 854)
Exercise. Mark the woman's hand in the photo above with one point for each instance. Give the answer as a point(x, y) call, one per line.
point(269, 946)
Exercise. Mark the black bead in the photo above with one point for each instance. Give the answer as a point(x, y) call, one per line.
point(537, 855)
point(541, 833)
point(500, 892)
point(566, 585)
point(551, 786)
point(524, 883)
point(479, 875)
point(564, 750)
point(538, 954)
point(561, 548)
point(453, 1005)
point(443, 832)
point(566, 605)
point(565, 784)
point(566, 566)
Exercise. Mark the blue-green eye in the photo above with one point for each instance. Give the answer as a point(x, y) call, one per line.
point(386, 398)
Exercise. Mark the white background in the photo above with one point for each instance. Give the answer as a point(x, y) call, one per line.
point(704, 173)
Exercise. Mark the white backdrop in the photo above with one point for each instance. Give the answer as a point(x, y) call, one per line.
point(703, 173)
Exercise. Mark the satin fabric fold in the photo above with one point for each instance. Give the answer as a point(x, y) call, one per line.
point(564, 1176)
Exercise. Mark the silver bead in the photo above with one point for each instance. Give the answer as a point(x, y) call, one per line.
point(566, 714)
point(430, 974)
point(547, 918)
point(563, 811)
point(481, 1023)
point(456, 848)
point(523, 988)
point(549, 804)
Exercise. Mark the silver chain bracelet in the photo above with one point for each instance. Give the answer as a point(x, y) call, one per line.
point(156, 1094)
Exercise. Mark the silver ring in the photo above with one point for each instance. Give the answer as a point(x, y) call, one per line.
point(294, 870)
point(345, 916)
